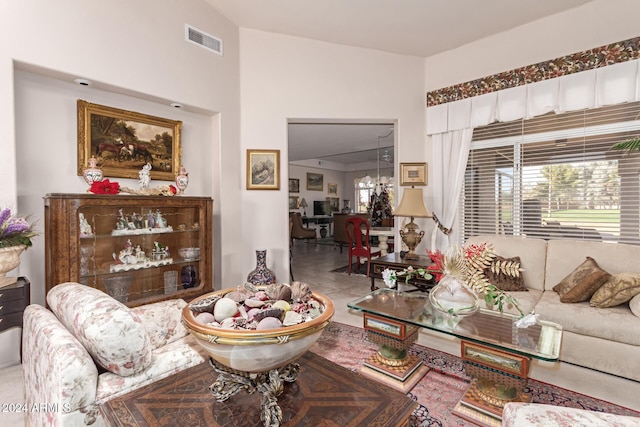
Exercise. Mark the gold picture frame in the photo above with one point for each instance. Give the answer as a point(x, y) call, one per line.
point(332, 189)
point(315, 181)
point(334, 203)
point(294, 185)
point(294, 202)
point(123, 141)
point(413, 174)
point(263, 169)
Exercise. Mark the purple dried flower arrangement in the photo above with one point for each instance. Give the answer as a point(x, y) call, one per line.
point(14, 231)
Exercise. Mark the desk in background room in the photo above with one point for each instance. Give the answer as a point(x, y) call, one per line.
point(322, 220)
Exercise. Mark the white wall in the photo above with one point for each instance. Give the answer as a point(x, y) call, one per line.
point(284, 78)
point(594, 24)
point(136, 55)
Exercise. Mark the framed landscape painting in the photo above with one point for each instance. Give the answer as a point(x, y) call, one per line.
point(334, 203)
point(315, 181)
point(332, 189)
point(294, 203)
point(124, 141)
point(263, 169)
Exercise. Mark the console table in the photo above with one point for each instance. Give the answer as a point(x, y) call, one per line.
point(322, 220)
point(496, 353)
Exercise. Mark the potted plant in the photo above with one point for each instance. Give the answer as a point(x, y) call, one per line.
point(15, 237)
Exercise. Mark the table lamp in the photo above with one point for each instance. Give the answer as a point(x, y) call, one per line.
point(412, 206)
point(303, 205)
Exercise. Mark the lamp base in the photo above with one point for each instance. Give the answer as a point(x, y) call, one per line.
point(412, 239)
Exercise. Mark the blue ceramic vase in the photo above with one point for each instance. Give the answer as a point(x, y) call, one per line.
point(261, 275)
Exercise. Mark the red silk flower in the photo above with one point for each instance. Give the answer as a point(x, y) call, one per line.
point(105, 187)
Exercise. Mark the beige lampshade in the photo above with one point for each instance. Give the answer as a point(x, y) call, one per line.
point(412, 204)
point(303, 203)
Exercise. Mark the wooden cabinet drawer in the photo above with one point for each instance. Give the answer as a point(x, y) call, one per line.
point(9, 294)
point(10, 320)
point(15, 306)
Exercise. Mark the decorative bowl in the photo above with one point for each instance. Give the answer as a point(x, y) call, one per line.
point(257, 350)
point(189, 254)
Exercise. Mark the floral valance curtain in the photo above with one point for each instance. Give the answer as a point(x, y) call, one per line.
point(609, 85)
point(451, 125)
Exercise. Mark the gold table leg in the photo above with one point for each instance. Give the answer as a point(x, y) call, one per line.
point(392, 364)
point(269, 383)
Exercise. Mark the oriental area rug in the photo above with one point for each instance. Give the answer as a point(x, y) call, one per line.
point(444, 385)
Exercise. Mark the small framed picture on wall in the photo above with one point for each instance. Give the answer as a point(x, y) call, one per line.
point(413, 174)
point(294, 185)
point(263, 169)
point(332, 189)
point(315, 181)
point(294, 203)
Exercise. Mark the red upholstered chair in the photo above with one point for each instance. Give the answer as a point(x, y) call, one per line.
point(359, 242)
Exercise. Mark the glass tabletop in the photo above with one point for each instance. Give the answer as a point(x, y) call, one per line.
point(541, 341)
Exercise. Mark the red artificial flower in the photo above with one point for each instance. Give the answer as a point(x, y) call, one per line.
point(473, 251)
point(104, 187)
point(173, 189)
point(437, 267)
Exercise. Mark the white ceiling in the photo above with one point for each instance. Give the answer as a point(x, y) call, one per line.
point(409, 27)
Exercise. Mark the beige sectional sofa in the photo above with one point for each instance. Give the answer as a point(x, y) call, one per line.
point(603, 339)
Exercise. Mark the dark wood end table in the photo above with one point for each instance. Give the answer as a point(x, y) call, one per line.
point(395, 262)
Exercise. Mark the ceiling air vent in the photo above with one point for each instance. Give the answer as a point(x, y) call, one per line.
point(203, 39)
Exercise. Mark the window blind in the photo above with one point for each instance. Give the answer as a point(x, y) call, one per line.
point(555, 176)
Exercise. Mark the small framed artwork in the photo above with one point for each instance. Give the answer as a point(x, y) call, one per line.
point(332, 189)
point(413, 174)
point(486, 356)
point(315, 181)
point(263, 169)
point(294, 203)
point(334, 204)
point(125, 141)
point(294, 185)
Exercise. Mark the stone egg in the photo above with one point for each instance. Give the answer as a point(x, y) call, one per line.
point(269, 323)
point(224, 308)
point(205, 318)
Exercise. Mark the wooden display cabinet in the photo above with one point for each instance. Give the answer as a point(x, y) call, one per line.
point(131, 240)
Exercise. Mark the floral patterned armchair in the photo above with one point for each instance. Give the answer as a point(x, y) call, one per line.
point(91, 348)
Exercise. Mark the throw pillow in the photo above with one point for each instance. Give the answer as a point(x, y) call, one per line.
point(619, 289)
point(634, 305)
point(582, 282)
point(113, 335)
point(505, 274)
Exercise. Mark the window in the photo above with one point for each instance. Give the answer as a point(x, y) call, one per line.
point(364, 190)
point(555, 176)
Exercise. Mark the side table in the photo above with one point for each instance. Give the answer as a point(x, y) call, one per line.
point(395, 262)
point(14, 299)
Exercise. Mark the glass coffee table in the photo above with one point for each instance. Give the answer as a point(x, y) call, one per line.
point(496, 353)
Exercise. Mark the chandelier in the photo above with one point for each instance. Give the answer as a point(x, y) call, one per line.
point(381, 182)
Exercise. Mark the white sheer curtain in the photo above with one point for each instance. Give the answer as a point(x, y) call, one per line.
point(451, 125)
point(452, 151)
